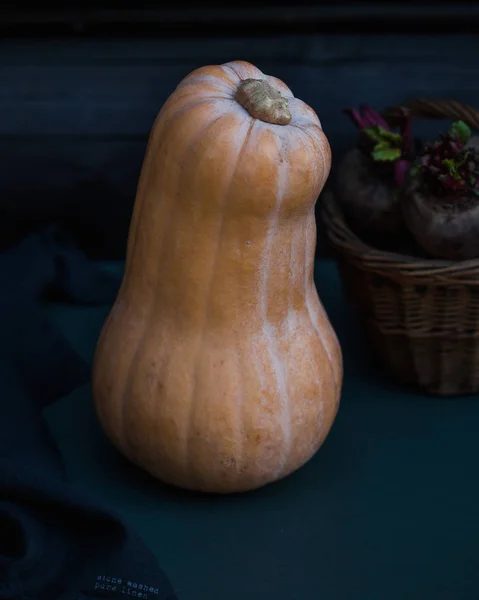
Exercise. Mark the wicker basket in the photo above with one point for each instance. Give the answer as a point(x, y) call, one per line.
point(421, 316)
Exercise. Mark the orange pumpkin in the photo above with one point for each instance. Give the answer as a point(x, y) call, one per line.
point(217, 368)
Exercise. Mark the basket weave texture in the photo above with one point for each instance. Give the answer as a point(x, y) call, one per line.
point(421, 316)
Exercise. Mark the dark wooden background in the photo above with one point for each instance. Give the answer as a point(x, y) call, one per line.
point(80, 89)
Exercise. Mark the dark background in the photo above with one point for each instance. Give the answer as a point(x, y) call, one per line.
point(80, 87)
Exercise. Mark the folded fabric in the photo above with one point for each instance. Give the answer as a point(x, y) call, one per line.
point(56, 542)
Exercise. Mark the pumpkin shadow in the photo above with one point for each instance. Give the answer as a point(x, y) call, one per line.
point(128, 474)
point(148, 485)
point(329, 466)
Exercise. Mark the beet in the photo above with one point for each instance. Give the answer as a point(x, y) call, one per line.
point(445, 228)
point(440, 203)
point(369, 200)
point(371, 175)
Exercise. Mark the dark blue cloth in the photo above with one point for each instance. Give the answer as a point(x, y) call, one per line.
point(56, 542)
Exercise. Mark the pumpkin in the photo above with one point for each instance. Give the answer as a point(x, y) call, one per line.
point(217, 368)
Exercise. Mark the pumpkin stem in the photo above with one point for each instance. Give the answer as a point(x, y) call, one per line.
point(263, 102)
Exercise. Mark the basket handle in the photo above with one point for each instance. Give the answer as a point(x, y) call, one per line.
point(435, 109)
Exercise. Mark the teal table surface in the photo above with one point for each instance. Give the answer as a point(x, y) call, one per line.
point(388, 509)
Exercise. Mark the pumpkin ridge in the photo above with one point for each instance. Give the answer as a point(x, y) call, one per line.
point(137, 218)
point(268, 329)
point(208, 97)
point(240, 407)
point(165, 224)
point(207, 300)
point(238, 76)
point(144, 182)
point(316, 147)
point(280, 86)
point(304, 114)
point(208, 79)
point(146, 175)
point(213, 73)
point(232, 73)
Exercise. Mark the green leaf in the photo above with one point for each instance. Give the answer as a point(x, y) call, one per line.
point(391, 136)
point(462, 131)
point(379, 134)
point(453, 165)
point(374, 133)
point(384, 152)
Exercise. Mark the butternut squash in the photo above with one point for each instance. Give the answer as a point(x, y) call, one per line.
point(217, 368)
